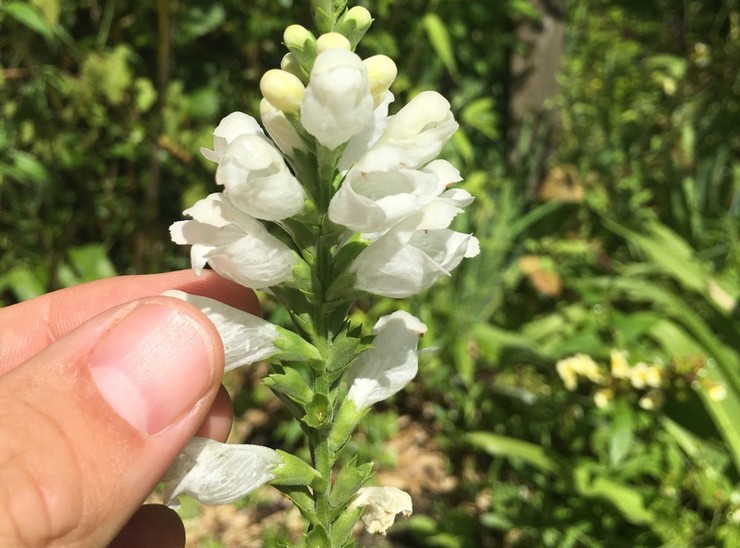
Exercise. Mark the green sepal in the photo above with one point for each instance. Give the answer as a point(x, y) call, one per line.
point(317, 537)
point(294, 471)
point(304, 51)
point(352, 29)
point(341, 529)
point(326, 12)
point(294, 348)
point(344, 349)
point(348, 481)
point(345, 422)
point(291, 384)
point(301, 277)
point(318, 412)
point(301, 496)
point(293, 299)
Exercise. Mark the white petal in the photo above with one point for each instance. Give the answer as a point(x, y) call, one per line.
point(374, 201)
point(382, 504)
point(246, 338)
point(236, 245)
point(417, 133)
point(219, 473)
point(390, 364)
point(258, 181)
point(361, 143)
point(399, 265)
point(337, 103)
point(231, 127)
point(280, 129)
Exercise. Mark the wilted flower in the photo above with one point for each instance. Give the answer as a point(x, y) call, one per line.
point(235, 244)
point(381, 505)
point(219, 473)
point(337, 103)
point(390, 364)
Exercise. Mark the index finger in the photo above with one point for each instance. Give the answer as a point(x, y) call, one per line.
point(27, 327)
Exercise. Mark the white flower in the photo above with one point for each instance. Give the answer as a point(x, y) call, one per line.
point(281, 131)
point(247, 338)
point(359, 144)
point(337, 103)
point(390, 364)
point(416, 252)
point(381, 505)
point(230, 127)
point(236, 245)
point(219, 473)
point(258, 181)
point(416, 134)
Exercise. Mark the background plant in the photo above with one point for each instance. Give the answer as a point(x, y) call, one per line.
point(104, 111)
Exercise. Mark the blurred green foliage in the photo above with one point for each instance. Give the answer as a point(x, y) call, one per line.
point(631, 241)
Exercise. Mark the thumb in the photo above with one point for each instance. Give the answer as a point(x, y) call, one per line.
point(89, 424)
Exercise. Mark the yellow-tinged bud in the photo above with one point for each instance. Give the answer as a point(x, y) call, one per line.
point(359, 16)
point(283, 90)
point(289, 63)
point(717, 392)
point(296, 36)
point(381, 72)
point(332, 40)
point(354, 24)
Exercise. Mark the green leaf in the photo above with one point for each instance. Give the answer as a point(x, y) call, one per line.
point(292, 384)
point(621, 432)
point(29, 15)
point(348, 481)
point(341, 529)
point(440, 40)
point(627, 500)
point(504, 446)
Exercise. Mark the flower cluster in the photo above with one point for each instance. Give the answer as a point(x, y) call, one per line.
point(648, 380)
point(333, 199)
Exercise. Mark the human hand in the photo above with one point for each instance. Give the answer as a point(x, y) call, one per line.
point(101, 385)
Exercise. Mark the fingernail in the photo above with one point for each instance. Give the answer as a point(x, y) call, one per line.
point(153, 366)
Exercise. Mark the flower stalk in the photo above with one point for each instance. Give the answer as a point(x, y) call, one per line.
point(340, 201)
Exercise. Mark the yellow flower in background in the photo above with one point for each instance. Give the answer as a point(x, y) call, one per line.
point(620, 369)
point(603, 397)
point(567, 373)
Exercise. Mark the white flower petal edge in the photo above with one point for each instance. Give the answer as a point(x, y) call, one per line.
point(390, 364)
point(381, 505)
point(280, 129)
point(236, 245)
point(219, 473)
point(246, 337)
point(257, 179)
point(337, 103)
point(230, 127)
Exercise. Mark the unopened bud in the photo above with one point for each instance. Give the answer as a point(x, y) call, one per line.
point(332, 40)
point(283, 90)
point(381, 72)
point(354, 24)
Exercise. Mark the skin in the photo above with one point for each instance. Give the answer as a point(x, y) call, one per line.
point(73, 471)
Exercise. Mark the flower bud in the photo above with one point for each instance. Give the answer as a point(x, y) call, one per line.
point(332, 40)
point(337, 104)
point(298, 38)
point(283, 89)
point(354, 24)
point(381, 71)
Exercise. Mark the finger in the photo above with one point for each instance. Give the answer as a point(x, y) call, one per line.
point(98, 416)
point(27, 327)
point(152, 526)
point(217, 424)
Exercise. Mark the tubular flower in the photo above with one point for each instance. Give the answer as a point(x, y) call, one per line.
point(246, 338)
point(230, 127)
point(281, 131)
point(416, 252)
point(381, 505)
point(390, 364)
point(219, 473)
point(257, 179)
point(236, 245)
point(337, 103)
